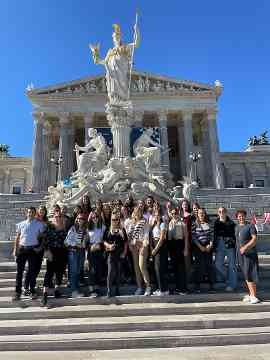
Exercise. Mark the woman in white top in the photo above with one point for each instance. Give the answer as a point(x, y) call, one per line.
point(95, 254)
point(138, 237)
point(178, 250)
point(160, 253)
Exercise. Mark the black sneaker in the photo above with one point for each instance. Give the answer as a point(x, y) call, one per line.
point(16, 297)
point(34, 296)
point(44, 300)
point(27, 292)
point(57, 294)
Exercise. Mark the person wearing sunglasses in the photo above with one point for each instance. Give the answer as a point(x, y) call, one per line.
point(56, 255)
point(76, 242)
point(115, 243)
point(224, 246)
point(95, 254)
point(178, 249)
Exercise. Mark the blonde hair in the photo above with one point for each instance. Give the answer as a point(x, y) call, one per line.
point(137, 214)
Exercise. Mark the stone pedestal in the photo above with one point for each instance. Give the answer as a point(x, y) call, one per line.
point(120, 119)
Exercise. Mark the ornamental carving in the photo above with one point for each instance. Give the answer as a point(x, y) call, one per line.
point(139, 84)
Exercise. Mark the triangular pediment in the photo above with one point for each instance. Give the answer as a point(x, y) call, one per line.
point(142, 83)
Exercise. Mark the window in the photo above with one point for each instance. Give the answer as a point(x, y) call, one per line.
point(238, 184)
point(259, 183)
point(16, 190)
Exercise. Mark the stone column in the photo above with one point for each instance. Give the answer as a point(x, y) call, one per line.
point(66, 145)
point(88, 123)
point(188, 136)
point(37, 165)
point(165, 158)
point(7, 182)
point(46, 158)
point(120, 120)
point(181, 149)
point(268, 173)
point(214, 145)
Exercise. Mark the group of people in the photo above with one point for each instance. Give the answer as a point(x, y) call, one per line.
point(163, 249)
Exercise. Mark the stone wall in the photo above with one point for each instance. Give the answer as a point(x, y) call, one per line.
point(254, 200)
point(12, 211)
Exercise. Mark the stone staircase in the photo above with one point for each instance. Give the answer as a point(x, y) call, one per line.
point(135, 326)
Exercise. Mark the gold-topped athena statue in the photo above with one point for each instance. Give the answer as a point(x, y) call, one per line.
point(118, 64)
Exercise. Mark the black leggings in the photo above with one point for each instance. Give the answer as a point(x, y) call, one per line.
point(114, 263)
point(56, 267)
point(176, 252)
point(161, 268)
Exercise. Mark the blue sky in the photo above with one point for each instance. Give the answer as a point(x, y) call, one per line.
point(46, 42)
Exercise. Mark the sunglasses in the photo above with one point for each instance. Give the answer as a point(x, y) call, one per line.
point(115, 220)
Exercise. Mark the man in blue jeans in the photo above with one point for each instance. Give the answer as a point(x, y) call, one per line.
point(224, 245)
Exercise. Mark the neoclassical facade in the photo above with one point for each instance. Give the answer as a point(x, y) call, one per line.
point(185, 112)
point(15, 174)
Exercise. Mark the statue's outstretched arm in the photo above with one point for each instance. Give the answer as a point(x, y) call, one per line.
point(95, 54)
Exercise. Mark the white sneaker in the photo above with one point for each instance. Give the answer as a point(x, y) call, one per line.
point(75, 294)
point(147, 291)
point(164, 293)
point(246, 299)
point(254, 300)
point(157, 293)
point(229, 289)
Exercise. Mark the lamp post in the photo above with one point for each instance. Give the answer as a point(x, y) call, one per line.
point(194, 157)
point(58, 163)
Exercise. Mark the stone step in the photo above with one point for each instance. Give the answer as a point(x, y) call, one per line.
point(5, 301)
point(136, 339)
point(233, 352)
point(136, 309)
point(133, 324)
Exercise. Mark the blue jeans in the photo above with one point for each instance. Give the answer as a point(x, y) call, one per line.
point(74, 266)
point(221, 252)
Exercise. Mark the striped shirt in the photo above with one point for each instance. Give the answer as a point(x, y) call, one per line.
point(138, 232)
point(202, 233)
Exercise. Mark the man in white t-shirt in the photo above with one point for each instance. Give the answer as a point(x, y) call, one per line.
point(26, 247)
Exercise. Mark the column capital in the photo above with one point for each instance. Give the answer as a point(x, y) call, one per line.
point(187, 114)
point(38, 116)
point(162, 114)
point(211, 114)
point(64, 118)
point(138, 117)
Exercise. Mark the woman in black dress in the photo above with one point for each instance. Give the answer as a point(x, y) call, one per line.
point(115, 243)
